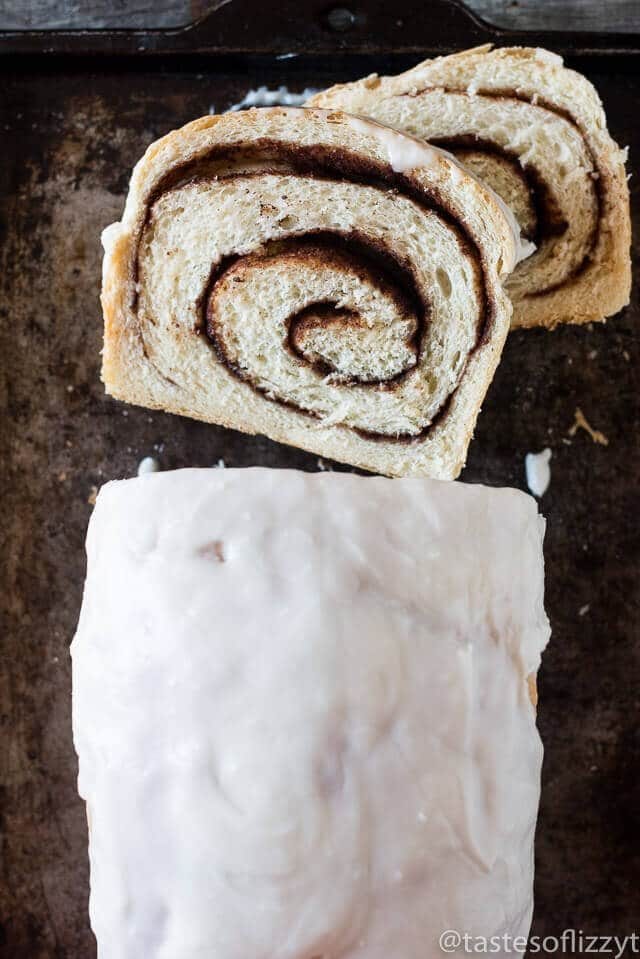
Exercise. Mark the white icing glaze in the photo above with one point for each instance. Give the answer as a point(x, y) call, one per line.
point(408, 153)
point(302, 717)
point(538, 471)
point(547, 56)
point(148, 465)
point(263, 97)
point(524, 248)
point(403, 153)
point(109, 235)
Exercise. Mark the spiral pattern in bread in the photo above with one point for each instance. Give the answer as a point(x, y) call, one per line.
point(536, 133)
point(313, 277)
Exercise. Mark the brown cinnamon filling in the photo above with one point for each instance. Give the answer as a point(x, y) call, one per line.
point(380, 265)
point(353, 252)
point(550, 222)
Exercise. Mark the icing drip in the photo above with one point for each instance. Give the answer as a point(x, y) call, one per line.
point(148, 465)
point(408, 153)
point(538, 470)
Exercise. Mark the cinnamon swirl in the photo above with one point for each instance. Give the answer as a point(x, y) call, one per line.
point(314, 277)
point(536, 133)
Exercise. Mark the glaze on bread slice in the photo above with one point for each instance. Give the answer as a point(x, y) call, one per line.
point(536, 133)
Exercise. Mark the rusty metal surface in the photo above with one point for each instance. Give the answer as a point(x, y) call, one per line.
point(70, 138)
point(313, 27)
point(615, 15)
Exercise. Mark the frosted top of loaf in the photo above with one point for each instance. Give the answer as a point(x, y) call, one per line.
point(302, 713)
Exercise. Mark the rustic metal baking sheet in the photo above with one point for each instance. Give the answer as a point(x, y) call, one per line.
point(71, 127)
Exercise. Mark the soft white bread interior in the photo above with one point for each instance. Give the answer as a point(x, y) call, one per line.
point(302, 714)
point(314, 277)
point(536, 133)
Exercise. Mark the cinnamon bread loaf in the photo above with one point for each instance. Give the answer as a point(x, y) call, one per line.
point(537, 134)
point(314, 277)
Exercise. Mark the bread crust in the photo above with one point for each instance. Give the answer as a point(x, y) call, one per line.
point(131, 373)
point(600, 285)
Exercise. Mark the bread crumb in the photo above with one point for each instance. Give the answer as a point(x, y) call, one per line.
point(93, 493)
point(213, 550)
point(583, 610)
point(581, 423)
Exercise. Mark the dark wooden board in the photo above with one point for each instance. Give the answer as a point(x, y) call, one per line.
point(71, 130)
point(612, 16)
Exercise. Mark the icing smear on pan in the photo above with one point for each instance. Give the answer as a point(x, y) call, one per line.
point(538, 471)
point(264, 97)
